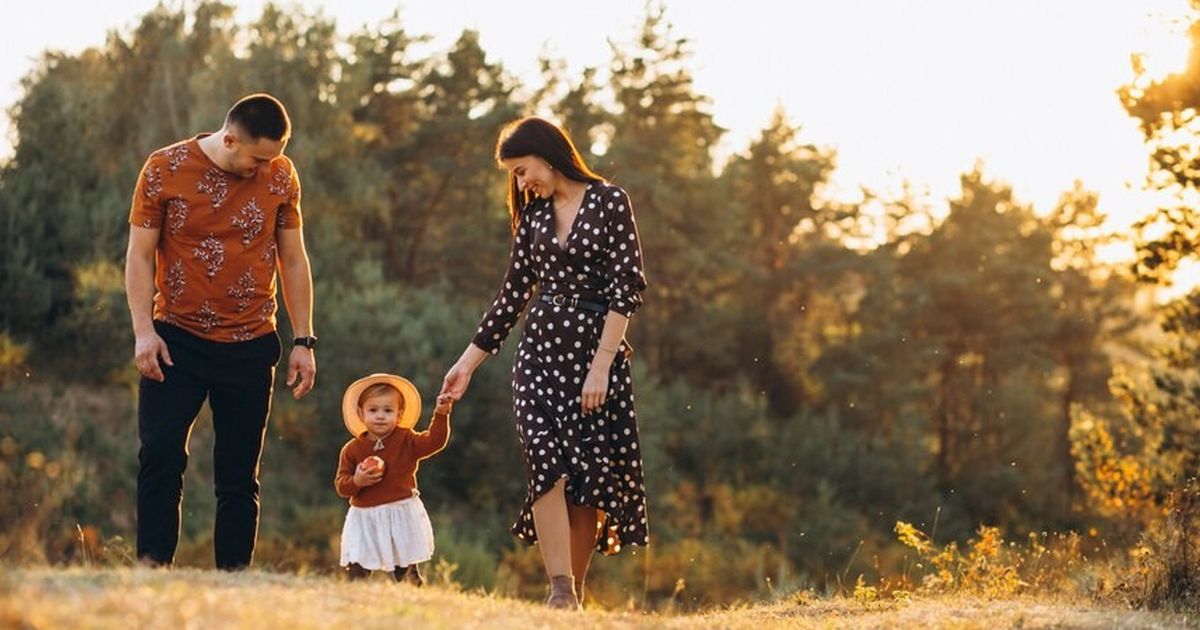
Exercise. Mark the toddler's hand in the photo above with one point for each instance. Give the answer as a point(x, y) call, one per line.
point(444, 402)
point(364, 477)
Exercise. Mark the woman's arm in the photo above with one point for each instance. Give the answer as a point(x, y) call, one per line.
point(459, 376)
point(626, 281)
point(624, 271)
point(510, 301)
point(595, 384)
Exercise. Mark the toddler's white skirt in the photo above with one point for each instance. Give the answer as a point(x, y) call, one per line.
point(382, 537)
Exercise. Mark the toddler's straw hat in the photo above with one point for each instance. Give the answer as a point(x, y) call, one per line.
point(409, 396)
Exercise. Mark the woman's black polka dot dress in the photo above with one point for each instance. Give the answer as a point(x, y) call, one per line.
point(599, 454)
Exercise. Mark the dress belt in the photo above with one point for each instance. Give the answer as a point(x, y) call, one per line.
point(558, 299)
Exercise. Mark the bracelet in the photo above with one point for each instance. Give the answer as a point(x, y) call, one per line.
point(612, 350)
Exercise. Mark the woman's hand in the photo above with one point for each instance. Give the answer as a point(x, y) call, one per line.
point(459, 376)
point(455, 384)
point(595, 385)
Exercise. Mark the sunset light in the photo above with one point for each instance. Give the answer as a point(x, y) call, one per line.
point(637, 313)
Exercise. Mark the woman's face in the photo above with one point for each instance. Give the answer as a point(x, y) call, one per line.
point(533, 174)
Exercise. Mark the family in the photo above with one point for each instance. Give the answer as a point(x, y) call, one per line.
point(216, 219)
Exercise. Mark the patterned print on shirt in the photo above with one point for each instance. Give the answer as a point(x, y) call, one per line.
point(207, 317)
point(175, 282)
point(212, 253)
point(215, 186)
point(249, 221)
point(177, 212)
point(268, 254)
point(176, 156)
point(243, 333)
point(243, 291)
point(154, 183)
point(281, 182)
point(267, 310)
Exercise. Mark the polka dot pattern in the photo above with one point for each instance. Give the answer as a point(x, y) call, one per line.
point(598, 454)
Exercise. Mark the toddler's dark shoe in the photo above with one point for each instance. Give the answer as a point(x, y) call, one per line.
point(355, 571)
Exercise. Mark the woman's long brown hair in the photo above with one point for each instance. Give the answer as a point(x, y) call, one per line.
point(536, 136)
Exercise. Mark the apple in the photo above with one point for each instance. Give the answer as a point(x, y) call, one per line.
point(373, 463)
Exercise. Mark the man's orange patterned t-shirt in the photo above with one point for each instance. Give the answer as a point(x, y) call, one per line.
point(216, 257)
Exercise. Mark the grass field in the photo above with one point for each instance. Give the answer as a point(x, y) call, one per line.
point(183, 598)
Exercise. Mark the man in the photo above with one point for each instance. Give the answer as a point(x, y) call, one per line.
point(212, 219)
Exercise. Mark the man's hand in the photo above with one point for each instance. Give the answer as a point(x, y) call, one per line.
point(302, 371)
point(146, 351)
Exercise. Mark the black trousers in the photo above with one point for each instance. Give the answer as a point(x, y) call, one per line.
point(237, 380)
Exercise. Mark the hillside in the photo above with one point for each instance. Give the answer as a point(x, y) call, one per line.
point(184, 598)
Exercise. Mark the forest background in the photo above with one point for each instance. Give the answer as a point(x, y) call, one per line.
point(813, 375)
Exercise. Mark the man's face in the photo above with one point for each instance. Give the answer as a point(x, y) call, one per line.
point(250, 155)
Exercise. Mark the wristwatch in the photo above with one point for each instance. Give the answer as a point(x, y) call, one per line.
point(309, 342)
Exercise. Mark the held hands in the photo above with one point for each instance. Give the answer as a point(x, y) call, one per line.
point(444, 403)
point(455, 383)
point(146, 351)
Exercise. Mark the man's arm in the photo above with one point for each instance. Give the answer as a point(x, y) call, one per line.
point(139, 291)
point(296, 279)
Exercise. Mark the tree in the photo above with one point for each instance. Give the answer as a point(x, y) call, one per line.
point(442, 180)
point(1167, 111)
point(780, 254)
point(952, 348)
point(662, 155)
point(1094, 311)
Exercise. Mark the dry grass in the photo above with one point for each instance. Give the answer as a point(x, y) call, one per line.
point(184, 598)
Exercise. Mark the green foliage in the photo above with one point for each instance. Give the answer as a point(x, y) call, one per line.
point(808, 371)
point(1137, 461)
point(65, 463)
point(12, 360)
point(1167, 238)
point(991, 567)
point(1166, 562)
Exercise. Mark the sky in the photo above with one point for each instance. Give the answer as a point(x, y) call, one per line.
point(915, 90)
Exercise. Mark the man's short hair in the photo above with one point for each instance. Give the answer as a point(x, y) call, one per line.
point(261, 116)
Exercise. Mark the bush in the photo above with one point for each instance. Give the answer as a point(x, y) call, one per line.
point(992, 567)
point(65, 471)
point(1165, 571)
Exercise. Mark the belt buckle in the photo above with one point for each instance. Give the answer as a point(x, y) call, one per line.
point(558, 300)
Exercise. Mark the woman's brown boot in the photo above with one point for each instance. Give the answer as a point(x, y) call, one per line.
point(562, 593)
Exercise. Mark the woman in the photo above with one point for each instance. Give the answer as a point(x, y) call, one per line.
point(574, 238)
